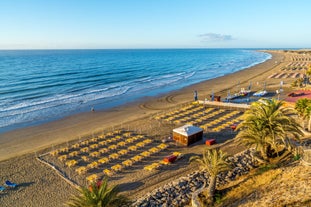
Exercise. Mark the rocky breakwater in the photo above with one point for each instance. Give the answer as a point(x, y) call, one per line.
point(178, 192)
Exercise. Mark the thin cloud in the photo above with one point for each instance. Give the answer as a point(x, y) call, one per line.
point(214, 37)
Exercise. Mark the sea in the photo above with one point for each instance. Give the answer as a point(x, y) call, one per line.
point(38, 86)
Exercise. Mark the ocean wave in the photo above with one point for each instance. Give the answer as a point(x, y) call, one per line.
point(24, 112)
point(58, 100)
point(41, 85)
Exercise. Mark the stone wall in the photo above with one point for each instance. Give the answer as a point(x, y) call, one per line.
point(178, 192)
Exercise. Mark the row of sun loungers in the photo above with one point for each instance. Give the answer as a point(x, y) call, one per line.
point(286, 75)
point(299, 58)
point(184, 111)
point(200, 117)
point(165, 161)
point(294, 68)
point(297, 65)
point(220, 124)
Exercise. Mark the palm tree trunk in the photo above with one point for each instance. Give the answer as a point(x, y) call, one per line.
point(303, 123)
point(211, 188)
point(259, 160)
point(195, 196)
point(263, 153)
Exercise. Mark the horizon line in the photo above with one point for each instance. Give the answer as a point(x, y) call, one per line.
point(267, 48)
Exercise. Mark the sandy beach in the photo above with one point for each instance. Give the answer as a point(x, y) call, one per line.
point(41, 186)
point(32, 139)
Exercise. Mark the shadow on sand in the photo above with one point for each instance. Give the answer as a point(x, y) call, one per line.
point(130, 186)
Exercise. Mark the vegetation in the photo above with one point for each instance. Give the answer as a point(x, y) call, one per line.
point(299, 82)
point(98, 194)
point(244, 187)
point(303, 107)
point(308, 72)
point(269, 186)
point(269, 127)
point(214, 161)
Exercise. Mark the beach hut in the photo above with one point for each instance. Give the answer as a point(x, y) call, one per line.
point(187, 134)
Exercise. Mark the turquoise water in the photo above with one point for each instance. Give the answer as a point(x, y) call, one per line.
point(43, 85)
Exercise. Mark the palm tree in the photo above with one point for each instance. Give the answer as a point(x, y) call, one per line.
point(267, 125)
point(308, 115)
point(254, 136)
point(214, 161)
point(301, 108)
point(98, 194)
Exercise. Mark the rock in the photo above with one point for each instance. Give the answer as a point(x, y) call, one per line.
point(158, 195)
point(192, 189)
point(179, 192)
point(183, 183)
point(184, 200)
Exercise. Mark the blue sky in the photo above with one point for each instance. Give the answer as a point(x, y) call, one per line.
point(51, 24)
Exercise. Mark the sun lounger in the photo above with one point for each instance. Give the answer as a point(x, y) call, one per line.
point(2, 188)
point(10, 184)
point(260, 93)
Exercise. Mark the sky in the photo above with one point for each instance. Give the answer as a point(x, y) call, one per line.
point(117, 24)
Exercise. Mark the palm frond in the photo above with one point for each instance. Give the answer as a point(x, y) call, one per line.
point(98, 194)
point(268, 123)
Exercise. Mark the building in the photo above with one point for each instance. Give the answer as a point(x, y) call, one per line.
point(187, 134)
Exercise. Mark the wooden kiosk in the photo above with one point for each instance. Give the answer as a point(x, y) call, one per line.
point(187, 134)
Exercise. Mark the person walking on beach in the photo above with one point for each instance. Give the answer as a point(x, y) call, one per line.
point(195, 95)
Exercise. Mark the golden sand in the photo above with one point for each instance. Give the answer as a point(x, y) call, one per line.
point(41, 186)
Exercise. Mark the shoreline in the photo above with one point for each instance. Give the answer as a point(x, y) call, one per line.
point(40, 183)
point(35, 138)
point(123, 98)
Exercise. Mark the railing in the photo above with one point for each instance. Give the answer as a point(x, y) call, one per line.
point(225, 104)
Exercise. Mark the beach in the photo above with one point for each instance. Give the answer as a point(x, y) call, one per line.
point(32, 139)
point(41, 186)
